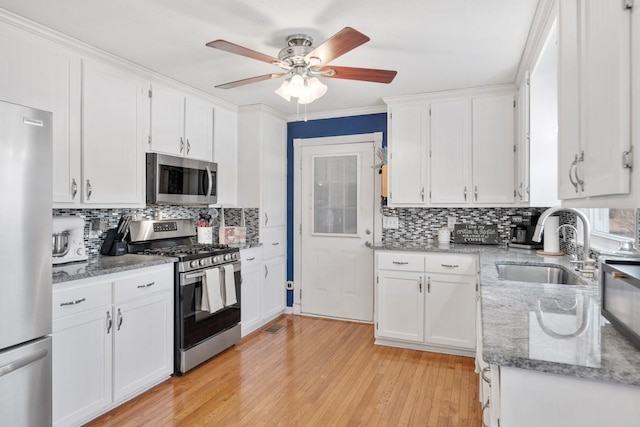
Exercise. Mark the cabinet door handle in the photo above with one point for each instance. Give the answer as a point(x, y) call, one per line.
point(450, 265)
point(266, 271)
point(428, 285)
point(520, 191)
point(188, 146)
point(89, 189)
point(147, 285)
point(181, 144)
point(109, 322)
point(422, 194)
point(475, 192)
point(484, 408)
point(251, 259)
point(119, 319)
point(465, 193)
point(400, 262)
point(580, 181)
point(74, 188)
point(573, 166)
point(275, 244)
point(266, 218)
point(484, 375)
point(78, 301)
point(420, 284)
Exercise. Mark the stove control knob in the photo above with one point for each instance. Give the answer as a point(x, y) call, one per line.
point(227, 257)
point(216, 259)
point(193, 264)
point(203, 262)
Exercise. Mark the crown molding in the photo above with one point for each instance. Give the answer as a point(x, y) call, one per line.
point(451, 94)
point(83, 49)
point(543, 21)
point(340, 113)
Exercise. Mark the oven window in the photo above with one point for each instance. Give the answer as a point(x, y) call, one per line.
point(198, 325)
point(182, 180)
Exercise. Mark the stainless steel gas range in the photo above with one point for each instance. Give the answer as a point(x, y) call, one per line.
point(207, 288)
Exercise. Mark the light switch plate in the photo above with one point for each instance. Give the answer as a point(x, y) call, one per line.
point(390, 222)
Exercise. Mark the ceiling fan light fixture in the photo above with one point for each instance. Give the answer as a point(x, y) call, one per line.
point(316, 87)
point(296, 86)
point(284, 91)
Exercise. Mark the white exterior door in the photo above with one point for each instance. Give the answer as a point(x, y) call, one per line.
point(337, 203)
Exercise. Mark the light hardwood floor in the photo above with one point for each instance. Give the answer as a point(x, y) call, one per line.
point(315, 372)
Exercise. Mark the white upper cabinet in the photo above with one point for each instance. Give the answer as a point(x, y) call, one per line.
point(181, 125)
point(262, 158)
point(523, 142)
point(408, 148)
point(38, 74)
point(225, 154)
point(113, 131)
point(452, 148)
point(594, 84)
point(450, 153)
point(493, 149)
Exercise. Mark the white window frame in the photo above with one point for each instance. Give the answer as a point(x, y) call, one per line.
point(601, 241)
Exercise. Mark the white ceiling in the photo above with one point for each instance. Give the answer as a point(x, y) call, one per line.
point(433, 44)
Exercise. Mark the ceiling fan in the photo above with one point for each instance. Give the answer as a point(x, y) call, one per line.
point(303, 64)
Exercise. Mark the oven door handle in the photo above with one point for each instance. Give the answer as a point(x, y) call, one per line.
point(195, 275)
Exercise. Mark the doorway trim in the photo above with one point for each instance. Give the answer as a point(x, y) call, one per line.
point(376, 139)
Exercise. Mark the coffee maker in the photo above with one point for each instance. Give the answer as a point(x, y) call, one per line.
point(522, 227)
point(68, 239)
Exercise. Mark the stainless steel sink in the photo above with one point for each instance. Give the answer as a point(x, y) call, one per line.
point(540, 273)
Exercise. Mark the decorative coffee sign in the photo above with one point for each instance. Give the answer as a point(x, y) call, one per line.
point(479, 234)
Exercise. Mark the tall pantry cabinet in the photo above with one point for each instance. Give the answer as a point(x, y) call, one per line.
point(262, 156)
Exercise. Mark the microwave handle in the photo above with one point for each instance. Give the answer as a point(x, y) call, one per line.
point(210, 188)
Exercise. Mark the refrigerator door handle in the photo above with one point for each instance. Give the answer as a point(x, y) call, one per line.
point(21, 363)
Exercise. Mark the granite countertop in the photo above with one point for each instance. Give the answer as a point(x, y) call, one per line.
point(105, 265)
point(549, 328)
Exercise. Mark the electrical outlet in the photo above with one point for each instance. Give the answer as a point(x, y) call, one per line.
point(289, 284)
point(390, 222)
point(451, 221)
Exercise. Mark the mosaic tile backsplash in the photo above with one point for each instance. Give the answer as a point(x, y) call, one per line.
point(423, 223)
point(102, 219)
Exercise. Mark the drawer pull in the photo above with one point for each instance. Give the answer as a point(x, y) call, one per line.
point(275, 244)
point(251, 259)
point(400, 262)
point(78, 301)
point(450, 265)
point(147, 285)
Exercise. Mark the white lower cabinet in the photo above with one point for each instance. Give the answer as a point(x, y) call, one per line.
point(112, 339)
point(431, 308)
point(251, 312)
point(274, 280)
point(400, 306)
point(263, 288)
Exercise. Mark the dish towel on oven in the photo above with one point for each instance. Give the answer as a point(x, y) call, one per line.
point(229, 285)
point(211, 295)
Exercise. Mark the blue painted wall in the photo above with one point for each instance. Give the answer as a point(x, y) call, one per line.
point(353, 125)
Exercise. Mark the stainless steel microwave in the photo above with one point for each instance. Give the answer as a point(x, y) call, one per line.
point(180, 181)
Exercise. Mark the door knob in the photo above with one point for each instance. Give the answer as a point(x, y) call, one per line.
point(367, 231)
point(368, 244)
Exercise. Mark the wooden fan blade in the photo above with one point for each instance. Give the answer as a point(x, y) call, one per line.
point(365, 74)
point(250, 80)
point(239, 50)
point(340, 43)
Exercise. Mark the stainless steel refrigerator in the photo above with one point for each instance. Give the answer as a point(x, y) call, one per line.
point(25, 265)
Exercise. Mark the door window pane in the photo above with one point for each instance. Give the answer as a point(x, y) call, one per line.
point(335, 194)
